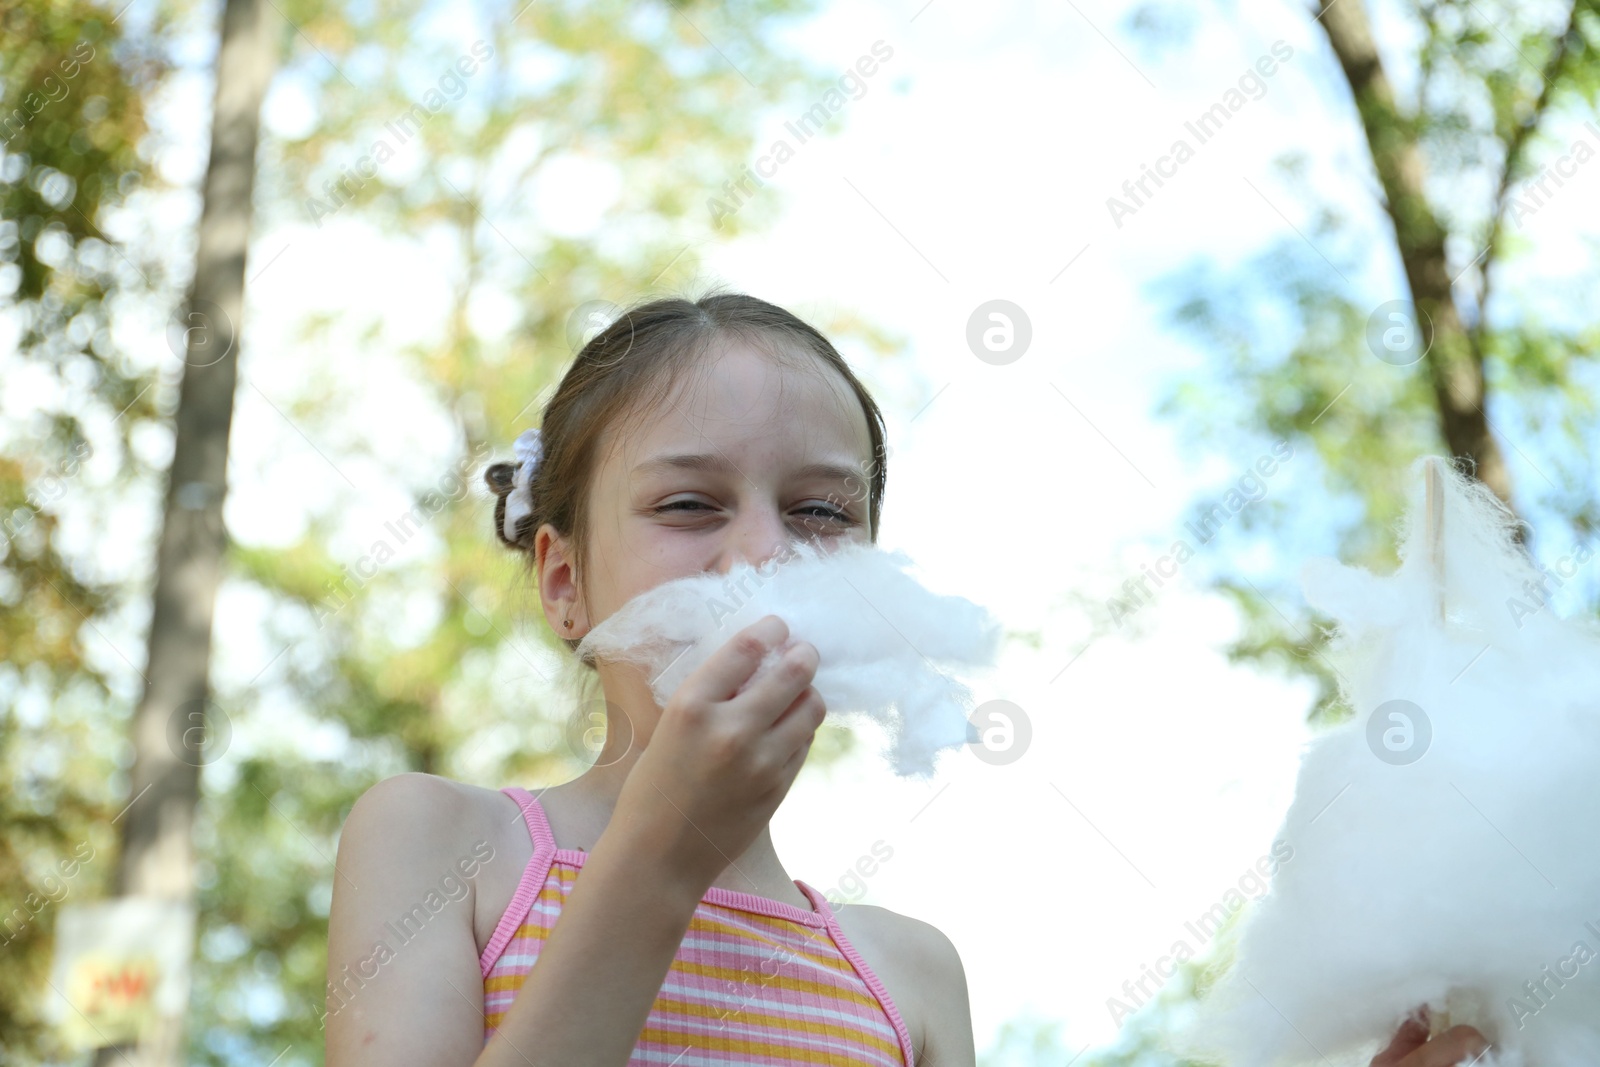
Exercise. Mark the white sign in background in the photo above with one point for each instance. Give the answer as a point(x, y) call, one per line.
point(120, 965)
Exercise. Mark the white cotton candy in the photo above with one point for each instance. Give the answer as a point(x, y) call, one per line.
point(880, 638)
point(1455, 879)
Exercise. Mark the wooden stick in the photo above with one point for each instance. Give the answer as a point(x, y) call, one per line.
point(1435, 527)
point(1438, 1021)
point(1433, 509)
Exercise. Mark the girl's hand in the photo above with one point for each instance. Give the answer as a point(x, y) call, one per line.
point(1411, 1047)
point(723, 754)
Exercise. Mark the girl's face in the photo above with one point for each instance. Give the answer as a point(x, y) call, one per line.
point(742, 460)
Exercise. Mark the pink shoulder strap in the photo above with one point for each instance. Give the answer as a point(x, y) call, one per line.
point(868, 975)
point(533, 876)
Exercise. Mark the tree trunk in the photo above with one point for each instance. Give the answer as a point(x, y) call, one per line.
point(175, 730)
point(1454, 359)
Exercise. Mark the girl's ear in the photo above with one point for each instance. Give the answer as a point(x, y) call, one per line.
point(560, 587)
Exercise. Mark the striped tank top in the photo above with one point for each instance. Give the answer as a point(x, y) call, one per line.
point(754, 981)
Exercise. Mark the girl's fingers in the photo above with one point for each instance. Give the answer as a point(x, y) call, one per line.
point(774, 691)
point(799, 721)
point(791, 769)
point(1413, 1033)
point(729, 667)
point(1459, 1044)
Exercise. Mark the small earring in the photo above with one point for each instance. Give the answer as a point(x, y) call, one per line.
point(567, 624)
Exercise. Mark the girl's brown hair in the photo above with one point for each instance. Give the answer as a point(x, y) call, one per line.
point(636, 360)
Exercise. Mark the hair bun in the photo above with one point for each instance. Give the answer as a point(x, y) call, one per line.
point(501, 479)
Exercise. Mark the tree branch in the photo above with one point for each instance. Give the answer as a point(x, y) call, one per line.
point(1554, 67)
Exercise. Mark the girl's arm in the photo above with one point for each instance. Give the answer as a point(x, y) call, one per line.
point(403, 980)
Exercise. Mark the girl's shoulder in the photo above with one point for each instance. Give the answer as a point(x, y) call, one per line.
point(919, 968)
point(440, 825)
point(899, 938)
point(432, 805)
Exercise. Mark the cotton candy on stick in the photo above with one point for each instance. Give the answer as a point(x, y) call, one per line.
point(1446, 849)
point(880, 638)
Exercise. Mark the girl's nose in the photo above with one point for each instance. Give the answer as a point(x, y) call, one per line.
point(755, 538)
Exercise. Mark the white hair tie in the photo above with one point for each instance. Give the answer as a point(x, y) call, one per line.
point(529, 449)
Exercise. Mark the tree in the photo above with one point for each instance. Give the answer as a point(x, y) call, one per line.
point(1455, 355)
point(170, 727)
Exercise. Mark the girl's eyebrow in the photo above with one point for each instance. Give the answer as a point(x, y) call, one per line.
point(716, 464)
point(686, 461)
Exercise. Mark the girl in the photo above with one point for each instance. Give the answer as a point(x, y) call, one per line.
point(639, 914)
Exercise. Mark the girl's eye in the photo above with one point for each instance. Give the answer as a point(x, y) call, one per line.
point(827, 512)
point(810, 511)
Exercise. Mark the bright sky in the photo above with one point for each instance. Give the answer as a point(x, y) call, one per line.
point(976, 167)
